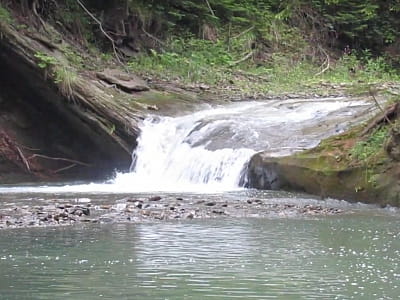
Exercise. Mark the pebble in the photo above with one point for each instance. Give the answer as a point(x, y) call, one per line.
point(135, 210)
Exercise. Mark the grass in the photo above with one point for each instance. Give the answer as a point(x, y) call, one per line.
point(66, 79)
point(194, 61)
point(64, 76)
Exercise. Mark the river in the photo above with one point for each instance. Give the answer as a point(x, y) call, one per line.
point(228, 242)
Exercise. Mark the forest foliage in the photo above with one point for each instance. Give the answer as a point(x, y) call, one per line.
point(211, 40)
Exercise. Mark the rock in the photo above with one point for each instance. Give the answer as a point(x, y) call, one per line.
point(392, 146)
point(83, 200)
point(155, 198)
point(319, 173)
point(190, 215)
point(105, 219)
point(105, 206)
point(138, 204)
point(152, 107)
point(125, 82)
point(78, 212)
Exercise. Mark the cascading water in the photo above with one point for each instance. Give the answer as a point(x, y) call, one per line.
point(176, 154)
point(206, 151)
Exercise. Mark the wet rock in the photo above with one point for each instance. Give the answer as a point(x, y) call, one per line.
point(78, 212)
point(105, 219)
point(190, 215)
point(83, 200)
point(146, 213)
point(155, 198)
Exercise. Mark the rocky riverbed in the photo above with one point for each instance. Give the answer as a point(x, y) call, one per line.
point(62, 212)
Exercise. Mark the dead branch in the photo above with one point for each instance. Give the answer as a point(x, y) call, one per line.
point(64, 169)
point(25, 161)
point(327, 62)
point(59, 158)
point(247, 56)
point(372, 94)
point(153, 37)
point(243, 33)
point(102, 30)
point(210, 8)
point(391, 112)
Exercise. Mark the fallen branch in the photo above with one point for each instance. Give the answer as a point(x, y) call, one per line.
point(372, 94)
point(153, 37)
point(243, 33)
point(65, 168)
point(327, 62)
point(101, 29)
point(391, 112)
point(58, 158)
point(210, 8)
point(247, 56)
point(25, 161)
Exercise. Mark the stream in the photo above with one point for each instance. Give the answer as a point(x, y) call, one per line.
point(180, 225)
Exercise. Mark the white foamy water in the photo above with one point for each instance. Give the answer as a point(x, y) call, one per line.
point(206, 151)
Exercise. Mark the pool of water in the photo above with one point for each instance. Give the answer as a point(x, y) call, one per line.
point(352, 256)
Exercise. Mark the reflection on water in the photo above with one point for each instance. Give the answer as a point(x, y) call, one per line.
point(341, 257)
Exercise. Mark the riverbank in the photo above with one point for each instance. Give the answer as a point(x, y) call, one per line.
point(76, 116)
point(68, 211)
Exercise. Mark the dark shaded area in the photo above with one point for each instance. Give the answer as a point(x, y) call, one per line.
point(36, 120)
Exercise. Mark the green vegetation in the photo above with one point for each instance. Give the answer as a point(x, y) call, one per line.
point(45, 61)
point(65, 77)
point(5, 15)
point(369, 153)
point(245, 47)
point(363, 151)
point(214, 63)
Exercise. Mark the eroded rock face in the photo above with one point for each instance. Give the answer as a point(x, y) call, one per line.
point(393, 144)
point(45, 135)
point(323, 175)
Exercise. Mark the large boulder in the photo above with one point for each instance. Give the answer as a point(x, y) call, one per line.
point(328, 174)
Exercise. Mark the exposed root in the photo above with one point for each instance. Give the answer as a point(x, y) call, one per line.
point(59, 158)
point(10, 150)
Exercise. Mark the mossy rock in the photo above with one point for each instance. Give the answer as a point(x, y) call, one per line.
point(324, 175)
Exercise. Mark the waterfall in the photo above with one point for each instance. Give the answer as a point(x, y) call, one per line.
point(193, 152)
point(208, 150)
